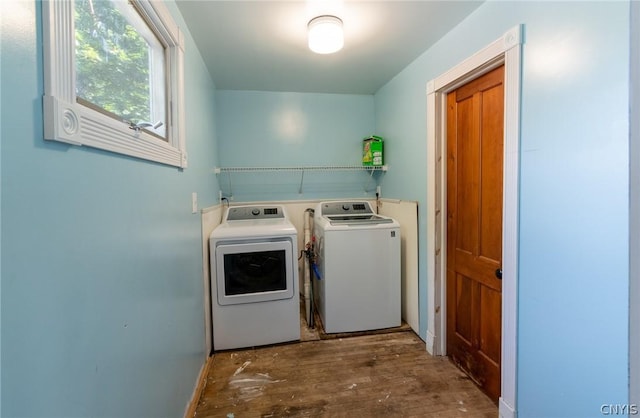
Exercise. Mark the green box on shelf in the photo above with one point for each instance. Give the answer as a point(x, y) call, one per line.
point(373, 151)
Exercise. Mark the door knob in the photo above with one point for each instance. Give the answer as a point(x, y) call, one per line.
point(499, 274)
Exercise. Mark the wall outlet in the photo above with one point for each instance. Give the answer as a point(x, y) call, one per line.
point(194, 202)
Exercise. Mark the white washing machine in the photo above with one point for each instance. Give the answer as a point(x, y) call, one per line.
point(358, 255)
point(254, 278)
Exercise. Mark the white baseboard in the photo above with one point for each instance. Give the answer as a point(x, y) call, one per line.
point(431, 343)
point(505, 410)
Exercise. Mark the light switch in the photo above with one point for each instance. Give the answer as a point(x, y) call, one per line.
point(194, 202)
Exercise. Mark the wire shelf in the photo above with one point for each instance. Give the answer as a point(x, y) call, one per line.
point(219, 170)
point(301, 170)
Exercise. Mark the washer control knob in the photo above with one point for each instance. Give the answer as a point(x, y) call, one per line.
point(345, 207)
point(255, 212)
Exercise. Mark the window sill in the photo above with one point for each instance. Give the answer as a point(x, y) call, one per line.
point(75, 124)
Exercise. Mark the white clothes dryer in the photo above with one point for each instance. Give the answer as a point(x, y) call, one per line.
point(358, 255)
point(254, 278)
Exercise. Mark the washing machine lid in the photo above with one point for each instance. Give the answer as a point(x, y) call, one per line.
point(358, 219)
point(351, 213)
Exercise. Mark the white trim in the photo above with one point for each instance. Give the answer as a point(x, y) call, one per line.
point(505, 410)
point(67, 121)
point(431, 342)
point(634, 210)
point(505, 50)
point(510, 234)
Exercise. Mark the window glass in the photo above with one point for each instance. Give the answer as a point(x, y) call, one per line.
point(119, 64)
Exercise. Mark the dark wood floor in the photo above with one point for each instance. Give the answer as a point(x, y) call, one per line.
point(382, 375)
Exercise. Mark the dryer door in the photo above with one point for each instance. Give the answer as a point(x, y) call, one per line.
point(254, 272)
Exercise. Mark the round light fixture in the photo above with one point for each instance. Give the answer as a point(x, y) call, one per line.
point(325, 34)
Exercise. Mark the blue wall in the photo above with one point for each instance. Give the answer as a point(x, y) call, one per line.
point(573, 272)
point(273, 129)
point(102, 307)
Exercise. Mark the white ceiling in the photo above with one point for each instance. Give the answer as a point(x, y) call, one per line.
point(262, 45)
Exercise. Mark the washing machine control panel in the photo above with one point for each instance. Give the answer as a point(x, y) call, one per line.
point(343, 208)
point(239, 213)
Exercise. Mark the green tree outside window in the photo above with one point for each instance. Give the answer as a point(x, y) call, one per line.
point(112, 61)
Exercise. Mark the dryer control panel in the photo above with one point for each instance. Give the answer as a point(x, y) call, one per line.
point(239, 213)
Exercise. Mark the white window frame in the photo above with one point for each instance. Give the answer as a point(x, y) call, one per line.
point(67, 121)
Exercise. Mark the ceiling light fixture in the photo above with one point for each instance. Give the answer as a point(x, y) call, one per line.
point(325, 34)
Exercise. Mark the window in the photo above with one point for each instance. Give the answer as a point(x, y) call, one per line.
point(119, 63)
point(113, 78)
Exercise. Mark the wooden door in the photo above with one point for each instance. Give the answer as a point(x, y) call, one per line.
point(475, 138)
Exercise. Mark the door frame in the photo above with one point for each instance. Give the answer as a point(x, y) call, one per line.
point(634, 211)
point(505, 50)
